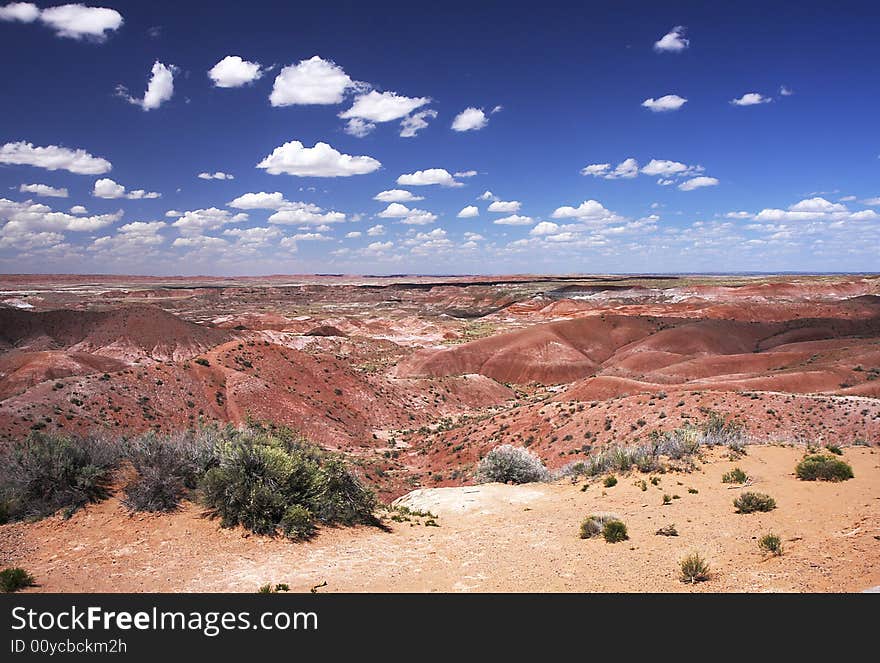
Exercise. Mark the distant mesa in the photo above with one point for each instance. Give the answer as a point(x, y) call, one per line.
point(325, 330)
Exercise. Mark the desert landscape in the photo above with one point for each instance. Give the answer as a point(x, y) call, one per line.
point(415, 380)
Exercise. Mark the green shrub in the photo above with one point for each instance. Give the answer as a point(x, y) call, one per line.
point(268, 588)
point(823, 468)
point(750, 502)
point(667, 499)
point(201, 361)
point(46, 472)
point(594, 524)
point(736, 475)
point(694, 569)
point(834, 449)
point(297, 523)
point(14, 579)
point(610, 481)
point(262, 473)
point(771, 543)
point(509, 464)
point(614, 531)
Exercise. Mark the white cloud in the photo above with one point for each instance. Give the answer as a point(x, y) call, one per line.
point(26, 219)
point(818, 205)
point(427, 177)
point(359, 128)
point(396, 196)
point(200, 242)
point(751, 99)
point(319, 161)
point(470, 119)
point(871, 201)
point(697, 182)
point(664, 168)
point(253, 238)
point(78, 209)
point(383, 106)
point(379, 247)
point(505, 206)
point(310, 237)
point(785, 91)
point(233, 71)
point(487, 195)
point(24, 12)
point(107, 188)
point(219, 175)
point(626, 169)
point(53, 157)
point(354, 234)
point(473, 237)
point(77, 21)
point(514, 220)
point(465, 173)
point(394, 211)
point(668, 102)
point(43, 190)
point(309, 214)
point(545, 228)
point(673, 41)
point(261, 200)
point(468, 212)
point(413, 217)
point(196, 222)
point(589, 210)
point(376, 231)
point(173, 213)
point(411, 125)
point(739, 215)
point(131, 238)
point(596, 169)
point(312, 81)
point(160, 87)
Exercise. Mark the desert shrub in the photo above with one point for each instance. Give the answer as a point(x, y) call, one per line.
point(594, 524)
point(46, 472)
point(834, 449)
point(14, 579)
point(610, 481)
point(201, 361)
point(771, 543)
point(668, 530)
point(167, 468)
point(614, 531)
point(736, 475)
point(750, 502)
point(269, 588)
point(823, 468)
point(667, 499)
point(694, 569)
point(509, 464)
point(263, 473)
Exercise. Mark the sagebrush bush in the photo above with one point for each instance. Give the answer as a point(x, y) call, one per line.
point(510, 464)
point(750, 502)
point(297, 523)
point(46, 472)
point(594, 524)
point(14, 579)
point(818, 467)
point(694, 569)
point(262, 473)
point(610, 481)
point(736, 475)
point(771, 543)
point(614, 531)
point(668, 530)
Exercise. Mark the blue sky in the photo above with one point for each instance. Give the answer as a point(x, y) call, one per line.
point(637, 137)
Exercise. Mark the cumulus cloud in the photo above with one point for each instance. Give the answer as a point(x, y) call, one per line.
point(785, 91)
point(514, 220)
point(195, 222)
point(626, 169)
point(411, 125)
point(107, 188)
point(24, 12)
point(378, 247)
point(470, 119)
point(396, 196)
point(487, 195)
point(505, 206)
point(307, 214)
point(664, 168)
point(218, 175)
point(78, 209)
point(312, 81)
point(673, 41)
point(416, 217)
point(253, 238)
point(468, 212)
point(383, 106)
point(465, 173)
point(359, 128)
point(871, 201)
point(319, 161)
point(698, 182)
point(427, 177)
point(376, 231)
point(354, 234)
point(160, 88)
point(53, 157)
point(29, 223)
point(233, 71)
point(668, 102)
point(589, 210)
point(131, 238)
point(545, 228)
point(43, 190)
point(260, 200)
point(74, 21)
point(751, 99)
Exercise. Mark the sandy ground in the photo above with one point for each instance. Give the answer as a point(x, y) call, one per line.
point(495, 538)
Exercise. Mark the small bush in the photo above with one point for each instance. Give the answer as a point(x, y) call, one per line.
point(201, 361)
point(667, 499)
point(509, 464)
point(736, 475)
point(297, 523)
point(269, 588)
point(46, 472)
point(823, 468)
point(771, 543)
point(834, 449)
point(694, 569)
point(595, 524)
point(669, 530)
point(610, 481)
point(614, 531)
point(14, 579)
point(750, 502)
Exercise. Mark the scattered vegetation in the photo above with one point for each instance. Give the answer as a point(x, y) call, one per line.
point(614, 531)
point(770, 543)
point(269, 588)
point(736, 475)
point(610, 481)
point(510, 464)
point(750, 502)
point(694, 569)
point(818, 467)
point(595, 524)
point(834, 449)
point(668, 530)
point(15, 578)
